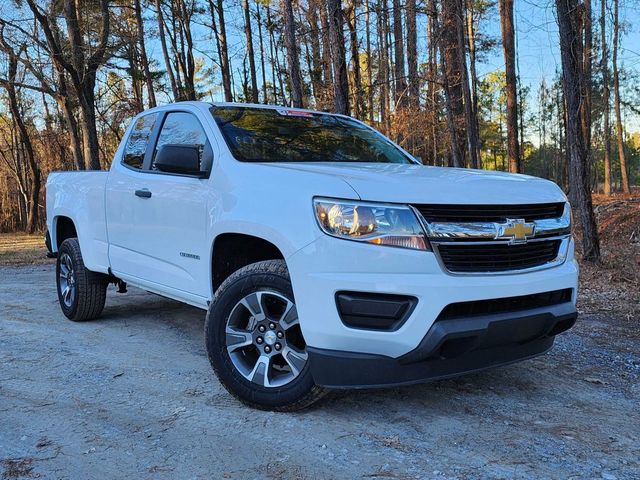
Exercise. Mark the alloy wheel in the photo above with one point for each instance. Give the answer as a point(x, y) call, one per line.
point(264, 340)
point(67, 280)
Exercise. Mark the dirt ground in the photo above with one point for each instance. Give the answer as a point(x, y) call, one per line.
point(132, 395)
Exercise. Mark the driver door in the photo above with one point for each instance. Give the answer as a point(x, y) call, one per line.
point(157, 221)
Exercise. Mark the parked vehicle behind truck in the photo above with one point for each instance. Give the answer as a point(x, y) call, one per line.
point(325, 255)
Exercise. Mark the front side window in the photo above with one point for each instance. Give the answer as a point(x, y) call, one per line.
point(181, 128)
point(287, 135)
point(138, 140)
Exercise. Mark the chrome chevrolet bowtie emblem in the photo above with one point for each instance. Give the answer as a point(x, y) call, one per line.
point(515, 230)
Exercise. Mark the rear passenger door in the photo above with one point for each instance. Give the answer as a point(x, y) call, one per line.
point(157, 221)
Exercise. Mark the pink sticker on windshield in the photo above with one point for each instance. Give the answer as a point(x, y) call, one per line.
point(295, 113)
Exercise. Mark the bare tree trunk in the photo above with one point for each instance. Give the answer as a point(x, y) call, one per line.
point(385, 31)
point(508, 44)
point(341, 83)
point(400, 98)
point(225, 67)
point(367, 26)
point(453, 78)
point(76, 142)
point(432, 93)
point(303, 41)
point(604, 65)
point(470, 117)
point(143, 53)
point(587, 86)
point(355, 58)
point(295, 79)
point(412, 55)
point(262, 63)
point(250, 53)
point(165, 51)
point(272, 54)
point(327, 74)
point(382, 64)
point(315, 70)
point(279, 70)
point(25, 140)
point(471, 39)
point(624, 179)
point(182, 42)
point(573, 78)
point(132, 56)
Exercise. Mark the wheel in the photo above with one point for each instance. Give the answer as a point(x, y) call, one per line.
point(81, 292)
point(254, 341)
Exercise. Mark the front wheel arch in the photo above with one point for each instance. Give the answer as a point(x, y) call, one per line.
point(232, 251)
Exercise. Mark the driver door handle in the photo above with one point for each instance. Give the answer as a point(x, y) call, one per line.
point(144, 193)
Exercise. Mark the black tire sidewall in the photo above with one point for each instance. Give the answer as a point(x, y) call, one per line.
point(225, 300)
point(67, 248)
point(91, 287)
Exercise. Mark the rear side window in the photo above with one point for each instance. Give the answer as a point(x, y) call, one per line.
point(138, 140)
point(181, 128)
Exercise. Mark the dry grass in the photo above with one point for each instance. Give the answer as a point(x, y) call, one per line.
point(22, 249)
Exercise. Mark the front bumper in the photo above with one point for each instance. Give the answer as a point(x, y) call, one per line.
point(329, 265)
point(450, 348)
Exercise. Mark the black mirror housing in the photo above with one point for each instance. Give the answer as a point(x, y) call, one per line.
point(180, 159)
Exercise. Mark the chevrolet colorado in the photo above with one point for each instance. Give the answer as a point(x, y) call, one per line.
point(326, 256)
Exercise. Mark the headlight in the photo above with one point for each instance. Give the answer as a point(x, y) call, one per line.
point(380, 224)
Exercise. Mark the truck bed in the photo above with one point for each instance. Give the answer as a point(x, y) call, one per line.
point(81, 196)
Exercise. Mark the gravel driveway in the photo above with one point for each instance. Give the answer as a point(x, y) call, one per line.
point(132, 396)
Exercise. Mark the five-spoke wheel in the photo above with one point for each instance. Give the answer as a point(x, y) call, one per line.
point(264, 340)
point(67, 280)
point(255, 342)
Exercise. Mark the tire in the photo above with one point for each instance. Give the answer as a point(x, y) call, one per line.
point(254, 342)
point(88, 290)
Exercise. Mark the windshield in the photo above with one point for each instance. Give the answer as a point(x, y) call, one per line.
point(289, 135)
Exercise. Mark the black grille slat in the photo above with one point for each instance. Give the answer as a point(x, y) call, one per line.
point(511, 258)
point(505, 305)
point(523, 253)
point(489, 213)
point(497, 257)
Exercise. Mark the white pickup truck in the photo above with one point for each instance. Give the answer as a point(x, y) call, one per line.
point(326, 256)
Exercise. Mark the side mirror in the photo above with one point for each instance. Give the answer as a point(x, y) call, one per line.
point(182, 159)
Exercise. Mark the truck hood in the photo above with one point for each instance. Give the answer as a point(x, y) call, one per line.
point(423, 184)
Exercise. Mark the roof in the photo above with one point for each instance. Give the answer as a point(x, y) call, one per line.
point(239, 104)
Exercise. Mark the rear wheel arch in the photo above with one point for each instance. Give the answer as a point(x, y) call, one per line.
point(64, 228)
point(232, 251)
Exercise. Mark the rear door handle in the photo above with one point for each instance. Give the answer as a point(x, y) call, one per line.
point(144, 193)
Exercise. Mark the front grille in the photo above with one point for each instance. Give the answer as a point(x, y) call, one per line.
point(497, 257)
point(489, 213)
point(505, 305)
